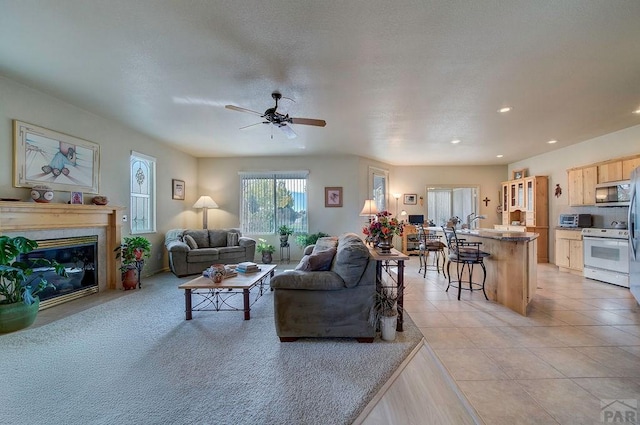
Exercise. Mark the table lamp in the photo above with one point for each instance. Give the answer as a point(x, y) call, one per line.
point(205, 202)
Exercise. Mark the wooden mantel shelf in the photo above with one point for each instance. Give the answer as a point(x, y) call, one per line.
point(23, 216)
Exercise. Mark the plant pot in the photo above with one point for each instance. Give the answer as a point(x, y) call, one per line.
point(284, 240)
point(16, 316)
point(129, 279)
point(388, 327)
point(267, 258)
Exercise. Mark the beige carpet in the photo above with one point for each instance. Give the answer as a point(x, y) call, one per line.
point(135, 360)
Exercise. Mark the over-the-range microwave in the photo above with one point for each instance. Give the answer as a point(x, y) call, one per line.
point(613, 194)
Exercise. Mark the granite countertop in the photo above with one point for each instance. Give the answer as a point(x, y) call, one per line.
point(499, 235)
point(577, 229)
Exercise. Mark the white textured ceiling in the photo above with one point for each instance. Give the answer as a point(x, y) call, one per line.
point(395, 80)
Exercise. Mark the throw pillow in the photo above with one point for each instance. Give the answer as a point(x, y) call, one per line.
point(303, 265)
point(232, 239)
point(188, 239)
point(321, 260)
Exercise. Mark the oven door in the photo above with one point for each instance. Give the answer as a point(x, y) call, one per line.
point(606, 254)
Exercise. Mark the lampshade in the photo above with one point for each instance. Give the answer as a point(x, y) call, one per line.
point(205, 202)
point(369, 208)
point(403, 212)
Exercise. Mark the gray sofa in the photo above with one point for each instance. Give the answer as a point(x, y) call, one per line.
point(330, 303)
point(192, 251)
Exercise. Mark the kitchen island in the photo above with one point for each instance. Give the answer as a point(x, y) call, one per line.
point(511, 267)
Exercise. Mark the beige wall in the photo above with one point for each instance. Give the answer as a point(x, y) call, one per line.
point(116, 142)
point(554, 164)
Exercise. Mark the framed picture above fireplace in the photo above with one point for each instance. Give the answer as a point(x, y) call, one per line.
point(61, 161)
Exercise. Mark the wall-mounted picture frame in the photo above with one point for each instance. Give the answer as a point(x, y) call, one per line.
point(410, 198)
point(177, 189)
point(58, 160)
point(77, 198)
point(332, 197)
point(518, 174)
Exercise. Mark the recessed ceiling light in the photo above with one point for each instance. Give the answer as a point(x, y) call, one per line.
point(637, 111)
point(505, 109)
point(551, 142)
point(499, 156)
point(455, 142)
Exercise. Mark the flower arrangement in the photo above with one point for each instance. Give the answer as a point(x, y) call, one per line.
point(383, 226)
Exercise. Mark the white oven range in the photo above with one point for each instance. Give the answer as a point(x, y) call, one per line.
point(606, 255)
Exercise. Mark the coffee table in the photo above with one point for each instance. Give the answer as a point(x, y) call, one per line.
point(215, 296)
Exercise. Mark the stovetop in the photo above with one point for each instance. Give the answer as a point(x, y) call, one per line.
point(605, 233)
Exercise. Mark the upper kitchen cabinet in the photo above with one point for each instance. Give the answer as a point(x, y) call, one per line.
point(610, 172)
point(582, 185)
point(628, 165)
point(582, 180)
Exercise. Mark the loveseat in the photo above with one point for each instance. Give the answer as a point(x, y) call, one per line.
point(192, 251)
point(330, 294)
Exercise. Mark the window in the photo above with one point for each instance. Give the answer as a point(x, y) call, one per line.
point(378, 187)
point(143, 193)
point(272, 199)
point(446, 202)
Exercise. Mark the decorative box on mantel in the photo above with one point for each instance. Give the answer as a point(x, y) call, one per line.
point(32, 219)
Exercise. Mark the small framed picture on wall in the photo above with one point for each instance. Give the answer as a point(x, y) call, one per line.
point(410, 198)
point(177, 189)
point(332, 197)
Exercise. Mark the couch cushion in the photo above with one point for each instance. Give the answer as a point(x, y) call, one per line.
point(232, 239)
point(188, 239)
point(202, 254)
point(200, 236)
point(231, 252)
point(304, 265)
point(217, 238)
point(351, 259)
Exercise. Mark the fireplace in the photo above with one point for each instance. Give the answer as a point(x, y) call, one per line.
point(45, 222)
point(79, 257)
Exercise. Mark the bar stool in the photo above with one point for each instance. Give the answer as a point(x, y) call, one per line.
point(430, 243)
point(464, 254)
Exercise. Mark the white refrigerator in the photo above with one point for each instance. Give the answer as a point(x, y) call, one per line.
point(634, 235)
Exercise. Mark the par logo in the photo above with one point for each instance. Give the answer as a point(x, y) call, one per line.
point(623, 411)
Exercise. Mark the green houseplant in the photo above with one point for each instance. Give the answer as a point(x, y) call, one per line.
point(385, 311)
point(19, 284)
point(303, 240)
point(284, 232)
point(132, 252)
point(266, 249)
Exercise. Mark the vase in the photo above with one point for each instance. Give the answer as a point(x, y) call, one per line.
point(384, 243)
point(16, 316)
point(267, 258)
point(129, 279)
point(388, 327)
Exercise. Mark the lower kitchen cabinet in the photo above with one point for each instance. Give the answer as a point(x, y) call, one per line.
point(569, 257)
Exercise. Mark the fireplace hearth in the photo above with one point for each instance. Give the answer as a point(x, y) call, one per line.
point(79, 257)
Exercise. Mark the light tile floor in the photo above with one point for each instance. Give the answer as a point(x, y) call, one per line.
point(579, 344)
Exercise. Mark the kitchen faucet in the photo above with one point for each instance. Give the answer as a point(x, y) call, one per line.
point(472, 218)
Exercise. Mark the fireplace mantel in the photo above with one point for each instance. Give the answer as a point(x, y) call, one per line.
point(23, 216)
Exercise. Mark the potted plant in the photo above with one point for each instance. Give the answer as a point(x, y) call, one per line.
point(385, 312)
point(284, 232)
point(303, 240)
point(132, 252)
point(266, 249)
point(19, 284)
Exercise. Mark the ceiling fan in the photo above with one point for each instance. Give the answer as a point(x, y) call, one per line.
point(282, 121)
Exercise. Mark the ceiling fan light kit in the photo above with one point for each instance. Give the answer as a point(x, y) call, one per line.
point(281, 121)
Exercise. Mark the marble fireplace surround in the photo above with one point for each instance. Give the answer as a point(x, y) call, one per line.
point(49, 221)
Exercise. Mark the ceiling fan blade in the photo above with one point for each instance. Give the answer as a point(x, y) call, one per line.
point(308, 121)
point(288, 131)
point(251, 125)
point(239, 109)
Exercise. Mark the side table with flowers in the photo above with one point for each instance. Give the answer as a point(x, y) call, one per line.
point(382, 229)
